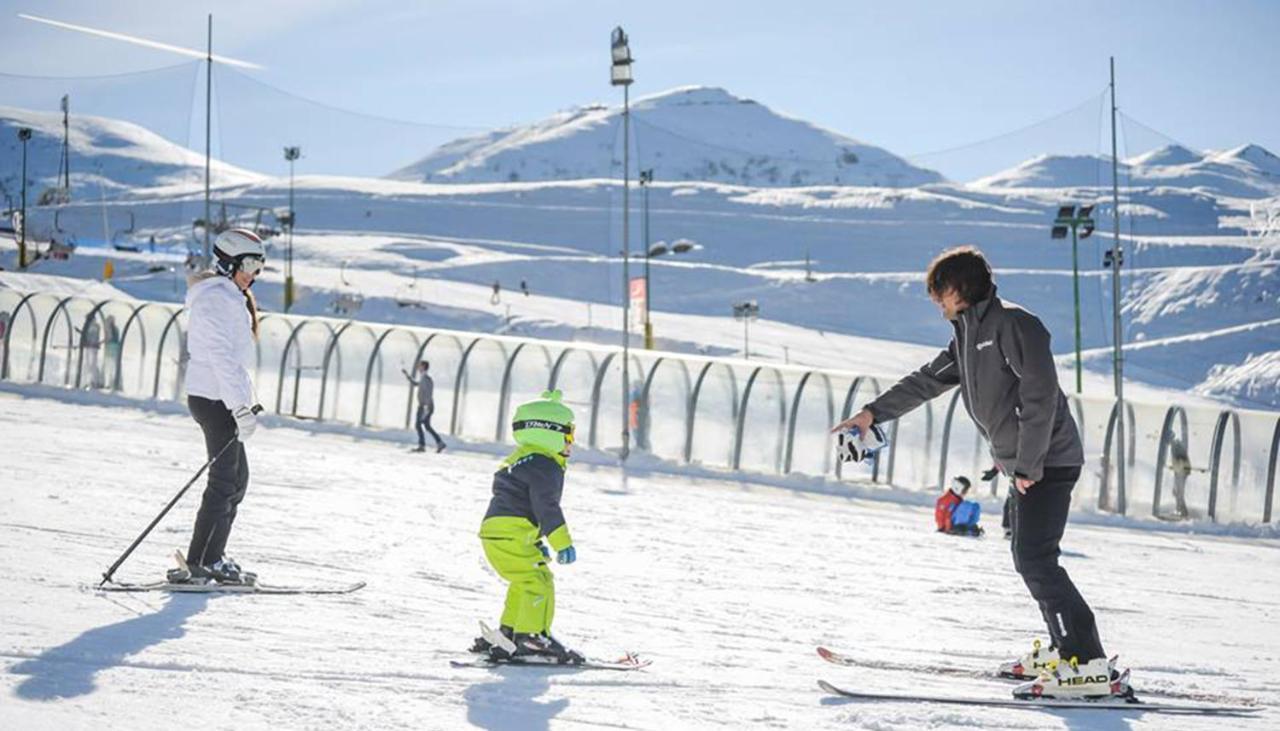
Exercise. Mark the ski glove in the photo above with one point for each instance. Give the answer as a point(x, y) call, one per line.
point(990, 474)
point(546, 552)
point(246, 421)
point(566, 555)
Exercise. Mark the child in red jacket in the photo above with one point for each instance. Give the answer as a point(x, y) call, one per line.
point(955, 515)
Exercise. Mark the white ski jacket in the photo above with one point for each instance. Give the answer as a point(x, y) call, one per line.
point(220, 341)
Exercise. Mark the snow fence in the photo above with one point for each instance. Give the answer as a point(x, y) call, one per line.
point(1181, 462)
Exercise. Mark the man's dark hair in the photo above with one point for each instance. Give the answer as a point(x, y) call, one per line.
point(423, 364)
point(963, 269)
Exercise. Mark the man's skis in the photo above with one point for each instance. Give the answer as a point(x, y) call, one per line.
point(215, 588)
point(1044, 703)
point(843, 660)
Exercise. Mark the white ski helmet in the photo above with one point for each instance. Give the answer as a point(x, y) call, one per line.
point(239, 249)
point(960, 485)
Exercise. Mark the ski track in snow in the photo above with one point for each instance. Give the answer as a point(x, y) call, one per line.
point(726, 585)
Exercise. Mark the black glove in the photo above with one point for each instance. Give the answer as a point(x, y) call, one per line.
point(990, 474)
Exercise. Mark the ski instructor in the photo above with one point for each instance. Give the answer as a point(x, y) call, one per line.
point(999, 355)
point(223, 324)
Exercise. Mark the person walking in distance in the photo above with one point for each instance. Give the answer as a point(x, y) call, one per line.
point(426, 406)
point(223, 324)
point(1000, 357)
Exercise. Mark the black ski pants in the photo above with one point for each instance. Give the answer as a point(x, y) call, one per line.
point(1038, 519)
point(228, 480)
point(423, 422)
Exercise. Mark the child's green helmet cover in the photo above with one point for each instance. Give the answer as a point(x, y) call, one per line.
point(545, 425)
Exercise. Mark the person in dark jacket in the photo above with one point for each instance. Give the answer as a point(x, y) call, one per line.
point(426, 406)
point(525, 510)
point(1000, 357)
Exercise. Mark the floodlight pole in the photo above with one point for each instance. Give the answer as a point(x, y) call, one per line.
point(1117, 257)
point(208, 137)
point(620, 75)
point(291, 154)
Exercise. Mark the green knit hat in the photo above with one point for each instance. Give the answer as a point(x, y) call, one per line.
point(544, 424)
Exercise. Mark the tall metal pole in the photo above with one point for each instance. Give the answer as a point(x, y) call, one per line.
point(1117, 256)
point(208, 137)
point(66, 147)
point(646, 181)
point(1075, 281)
point(626, 271)
point(23, 134)
point(288, 259)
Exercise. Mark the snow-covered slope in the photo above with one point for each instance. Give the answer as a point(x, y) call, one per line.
point(106, 155)
point(726, 585)
point(690, 133)
point(1247, 171)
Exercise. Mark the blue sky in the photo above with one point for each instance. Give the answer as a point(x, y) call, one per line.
point(909, 76)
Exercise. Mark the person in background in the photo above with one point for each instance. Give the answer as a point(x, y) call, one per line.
point(955, 515)
point(426, 406)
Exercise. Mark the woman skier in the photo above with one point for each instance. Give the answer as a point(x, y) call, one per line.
point(222, 327)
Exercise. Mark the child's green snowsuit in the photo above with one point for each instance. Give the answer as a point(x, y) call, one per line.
point(524, 508)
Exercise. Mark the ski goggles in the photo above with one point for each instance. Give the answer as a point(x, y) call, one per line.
point(252, 265)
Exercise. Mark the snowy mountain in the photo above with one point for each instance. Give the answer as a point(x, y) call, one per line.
point(1199, 292)
point(689, 133)
point(107, 156)
point(1247, 171)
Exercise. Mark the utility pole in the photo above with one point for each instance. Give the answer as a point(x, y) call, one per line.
point(646, 180)
point(208, 137)
point(24, 134)
point(66, 149)
point(1117, 259)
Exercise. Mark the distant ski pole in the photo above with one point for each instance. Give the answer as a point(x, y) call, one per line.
point(111, 571)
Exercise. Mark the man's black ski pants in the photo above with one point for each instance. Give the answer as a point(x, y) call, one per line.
point(1038, 519)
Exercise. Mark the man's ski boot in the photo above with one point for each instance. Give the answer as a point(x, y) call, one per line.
point(1096, 679)
point(545, 646)
point(1030, 665)
point(481, 646)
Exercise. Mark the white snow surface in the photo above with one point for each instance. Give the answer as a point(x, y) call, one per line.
point(726, 585)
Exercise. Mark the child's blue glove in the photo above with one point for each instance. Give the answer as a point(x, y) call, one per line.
point(567, 555)
point(546, 552)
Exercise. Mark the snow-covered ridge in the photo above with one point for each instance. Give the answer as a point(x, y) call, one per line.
point(1247, 171)
point(688, 133)
point(108, 154)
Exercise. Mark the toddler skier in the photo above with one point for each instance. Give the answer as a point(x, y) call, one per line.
point(524, 510)
point(955, 515)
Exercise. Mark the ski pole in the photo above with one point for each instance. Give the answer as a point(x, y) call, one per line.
point(111, 571)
